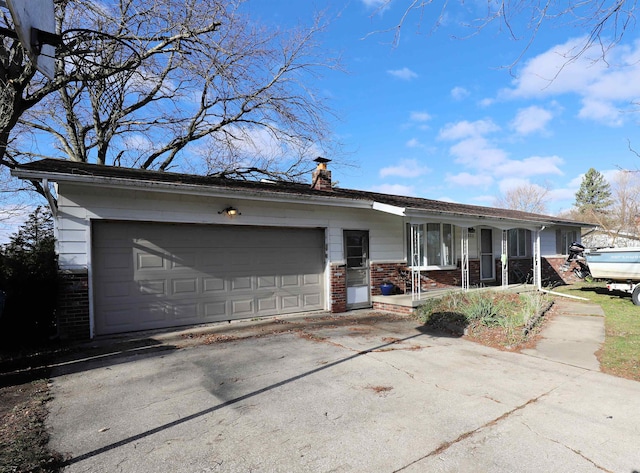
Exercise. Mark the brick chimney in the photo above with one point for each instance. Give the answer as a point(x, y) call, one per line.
point(321, 177)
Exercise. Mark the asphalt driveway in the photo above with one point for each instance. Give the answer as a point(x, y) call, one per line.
point(357, 393)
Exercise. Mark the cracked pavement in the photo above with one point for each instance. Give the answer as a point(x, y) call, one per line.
point(353, 393)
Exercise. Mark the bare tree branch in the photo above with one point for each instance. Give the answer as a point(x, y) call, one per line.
point(162, 84)
point(527, 198)
point(604, 22)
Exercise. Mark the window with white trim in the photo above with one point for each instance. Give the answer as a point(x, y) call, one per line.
point(519, 243)
point(436, 245)
point(564, 238)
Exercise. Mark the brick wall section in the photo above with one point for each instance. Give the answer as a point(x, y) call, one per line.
point(451, 277)
point(338, 288)
point(73, 305)
point(551, 272)
point(394, 309)
point(381, 272)
point(400, 275)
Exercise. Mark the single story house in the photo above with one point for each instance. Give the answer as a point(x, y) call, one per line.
point(143, 249)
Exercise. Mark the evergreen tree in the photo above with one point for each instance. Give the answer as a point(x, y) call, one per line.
point(28, 277)
point(594, 195)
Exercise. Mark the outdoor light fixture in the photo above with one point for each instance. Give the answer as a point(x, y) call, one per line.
point(230, 211)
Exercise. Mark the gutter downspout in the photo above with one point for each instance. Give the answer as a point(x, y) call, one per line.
point(537, 263)
point(53, 203)
point(546, 291)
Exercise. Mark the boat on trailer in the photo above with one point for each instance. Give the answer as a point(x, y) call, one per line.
point(620, 267)
point(616, 264)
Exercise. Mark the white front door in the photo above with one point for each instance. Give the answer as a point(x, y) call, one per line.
point(487, 266)
point(356, 250)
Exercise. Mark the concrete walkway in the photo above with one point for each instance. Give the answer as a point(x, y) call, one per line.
point(573, 336)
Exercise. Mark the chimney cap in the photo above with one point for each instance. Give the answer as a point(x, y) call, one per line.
point(321, 160)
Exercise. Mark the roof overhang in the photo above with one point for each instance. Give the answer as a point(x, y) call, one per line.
point(466, 220)
point(139, 183)
point(188, 189)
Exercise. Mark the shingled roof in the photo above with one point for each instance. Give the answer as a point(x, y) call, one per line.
point(57, 169)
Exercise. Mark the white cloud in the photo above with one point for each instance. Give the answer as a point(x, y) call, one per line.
point(530, 120)
point(484, 163)
point(375, 3)
point(465, 179)
point(405, 73)
point(406, 168)
point(394, 189)
point(512, 183)
point(611, 175)
point(478, 153)
point(138, 142)
point(466, 129)
point(553, 72)
point(606, 89)
point(419, 117)
point(459, 93)
point(485, 199)
point(532, 166)
point(560, 195)
point(486, 102)
point(414, 143)
point(601, 111)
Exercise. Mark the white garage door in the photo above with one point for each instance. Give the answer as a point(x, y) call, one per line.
point(161, 275)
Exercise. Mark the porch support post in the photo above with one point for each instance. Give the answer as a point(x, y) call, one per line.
point(416, 262)
point(504, 258)
point(537, 266)
point(464, 258)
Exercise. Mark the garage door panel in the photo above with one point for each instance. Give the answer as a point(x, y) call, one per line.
point(151, 315)
point(161, 275)
point(242, 307)
point(266, 282)
point(310, 300)
point(311, 279)
point(289, 280)
point(183, 259)
point(118, 320)
point(290, 302)
point(215, 285)
point(267, 304)
point(185, 312)
point(148, 261)
point(215, 311)
point(184, 286)
point(241, 283)
point(152, 287)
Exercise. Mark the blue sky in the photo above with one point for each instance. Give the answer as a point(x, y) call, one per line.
point(440, 116)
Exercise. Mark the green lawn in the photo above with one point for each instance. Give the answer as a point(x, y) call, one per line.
point(620, 354)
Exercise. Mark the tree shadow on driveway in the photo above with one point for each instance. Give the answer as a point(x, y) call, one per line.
point(236, 400)
point(75, 359)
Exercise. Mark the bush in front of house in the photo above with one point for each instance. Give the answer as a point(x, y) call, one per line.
point(511, 315)
point(29, 281)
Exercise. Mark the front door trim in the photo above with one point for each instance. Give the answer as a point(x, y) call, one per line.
point(358, 279)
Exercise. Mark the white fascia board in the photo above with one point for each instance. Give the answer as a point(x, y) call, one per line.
point(462, 220)
point(390, 209)
point(191, 189)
